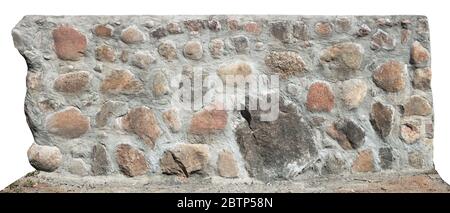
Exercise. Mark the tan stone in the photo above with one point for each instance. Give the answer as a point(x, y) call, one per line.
point(70, 44)
point(171, 118)
point(419, 54)
point(185, 159)
point(234, 71)
point(323, 29)
point(131, 161)
point(353, 92)
point(382, 118)
point(211, 119)
point(103, 30)
point(121, 81)
point(363, 162)
point(68, 123)
point(216, 48)
point(168, 50)
point(44, 158)
point(193, 50)
point(132, 35)
point(343, 57)
point(417, 105)
point(72, 82)
point(105, 53)
point(252, 27)
point(227, 165)
point(422, 79)
point(160, 85)
point(285, 62)
point(142, 122)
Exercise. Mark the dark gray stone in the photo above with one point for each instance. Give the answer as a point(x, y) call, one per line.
point(355, 134)
point(100, 160)
point(280, 30)
point(240, 43)
point(386, 158)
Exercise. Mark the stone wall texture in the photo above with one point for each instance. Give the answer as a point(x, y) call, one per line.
point(354, 95)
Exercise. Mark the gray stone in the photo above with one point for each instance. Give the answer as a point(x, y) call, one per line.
point(386, 157)
point(241, 43)
point(101, 164)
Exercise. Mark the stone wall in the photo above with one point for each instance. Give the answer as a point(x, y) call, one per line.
point(354, 95)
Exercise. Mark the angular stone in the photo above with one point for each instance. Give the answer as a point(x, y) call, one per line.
point(44, 158)
point(240, 43)
point(131, 161)
point(417, 105)
point(339, 136)
point(132, 35)
point(285, 62)
point(344, 58)
point(193, 50)
point(143, 59)
point(353, 92)
point(185, 159)
point(159, 32)
point(171, 118)
point(103, 30)
point(268, 147)
point(70, 44)
point(280, 30)
point(410, 132)
point(386, 158)
point(101, 164)
point(363, 162)
point(227, 165)
point(415, 160)
point(363, 30)
point(390, 76)
point(353, 132)
point(323, 29)
point(174, 28)
point(216, 48)
point(234, 71)
point(168, 50)
point(121, 82)
point(105, 53)
point(213, 118)
point(34, 80)
point(160, 85)
point(320, 98)
point(252, 27)
point(78, 167)
point(68, 123)
point(124, 56)
point(382, 118)
point(214, 25)
point(343, 24)
point(72, 82)
point(419, 54)
point(422, 79)
point(108, 110)
point(142, 122)
point(382, 40)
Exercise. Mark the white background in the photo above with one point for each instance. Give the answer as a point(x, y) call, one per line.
point(15, 136)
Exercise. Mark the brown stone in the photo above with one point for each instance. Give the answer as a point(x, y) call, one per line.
point(419, 54)
point(121, 81)
point(390, 76)
point(68, 123)
point(131, 161)
point(159, 32)
point(285, 62)
point(320, 98)
point(382, 118)
point(227, 165)
point(211, 119)
point(103, 30)
point(417, 105)
point(339, 136)
point(405, 35)
point(193, 50)
point(194, 25)
point(214, 25)
point(343, 24)
point(72, 82)
point(422, 78)
point(105, 53)
point(168, 50)
point(142, 59)
point(233, 24)
point(132, 35)
point(353, 92)
point(171, 118)
point(252, 27)
point(174, 28)
point(323, 29)
point(70, 44)
point(160, 85)
point(142, 122)
point(44, 158)
point(281, 31)
point(185, 159)
point(363, 162)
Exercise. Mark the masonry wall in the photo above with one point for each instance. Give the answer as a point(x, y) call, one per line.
point(354, 95)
